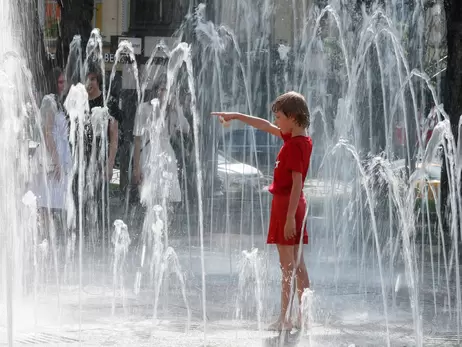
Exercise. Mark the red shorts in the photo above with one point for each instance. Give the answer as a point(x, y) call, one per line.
point(278, 217)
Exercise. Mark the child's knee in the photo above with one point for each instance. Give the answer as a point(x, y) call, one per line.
point(287, 266)
point(286, 259)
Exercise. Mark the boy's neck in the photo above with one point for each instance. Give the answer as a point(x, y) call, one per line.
point(95, 95)
point(299, 131)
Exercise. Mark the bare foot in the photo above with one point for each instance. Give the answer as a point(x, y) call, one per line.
point(275, 326)
point(280, 326)
point(298, 324)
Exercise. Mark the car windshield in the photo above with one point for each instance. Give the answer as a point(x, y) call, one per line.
point(434, 172)
point(225, 159)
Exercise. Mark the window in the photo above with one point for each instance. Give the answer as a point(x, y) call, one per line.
point(157, 17)
point(98, 15)
point(154, 11)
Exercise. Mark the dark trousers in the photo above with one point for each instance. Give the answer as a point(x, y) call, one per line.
point(93, 203)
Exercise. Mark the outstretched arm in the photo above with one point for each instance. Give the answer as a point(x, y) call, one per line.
point(48, 111)
point(113, 144)
point(49, 140)
point(136, 161)
point(255, 122)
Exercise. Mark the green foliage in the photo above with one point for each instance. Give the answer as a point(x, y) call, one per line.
point(52, 29)
point(334, 51)
point(430, 204)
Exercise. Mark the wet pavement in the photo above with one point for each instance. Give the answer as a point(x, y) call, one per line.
point(346, 311)
point(347, 308)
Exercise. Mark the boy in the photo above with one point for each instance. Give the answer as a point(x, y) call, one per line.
point(287, 229)
point(93, 172)
point(95, 99)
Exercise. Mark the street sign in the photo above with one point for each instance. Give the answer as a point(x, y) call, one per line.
point(135, 41)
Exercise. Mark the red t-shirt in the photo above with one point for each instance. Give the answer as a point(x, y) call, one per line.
point(295, 156)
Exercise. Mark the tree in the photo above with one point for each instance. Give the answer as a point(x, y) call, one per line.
point(35, 54)
point(76, 20)
point(452, 88)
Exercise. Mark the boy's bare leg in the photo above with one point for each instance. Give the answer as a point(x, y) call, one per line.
point(287, 262)
point(301, 275)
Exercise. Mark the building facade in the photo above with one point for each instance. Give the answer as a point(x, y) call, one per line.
point(155, 20)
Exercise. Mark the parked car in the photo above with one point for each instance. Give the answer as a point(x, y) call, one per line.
point(431, 177)
point(251, 146)
point(239, 178)
point(431, 182)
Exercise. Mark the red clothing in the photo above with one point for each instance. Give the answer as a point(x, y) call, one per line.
point(279, 207)
point(295, 156)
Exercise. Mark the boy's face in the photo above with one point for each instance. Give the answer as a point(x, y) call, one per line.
point(61, 84)
point(92, 83)
point(283, 122)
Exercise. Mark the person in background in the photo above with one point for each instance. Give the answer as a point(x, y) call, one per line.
point(96, 99)
point(55, 159)
point(153, 154)
point(183, 145)
point(155, 166)
point(99, 154)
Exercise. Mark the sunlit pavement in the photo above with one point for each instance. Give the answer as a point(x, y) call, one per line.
point(347, 309)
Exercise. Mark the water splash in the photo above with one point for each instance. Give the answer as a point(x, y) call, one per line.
point(164, 258)
point(354, 68)
point(307, 315)
point(121, 241)
point(251, 274)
